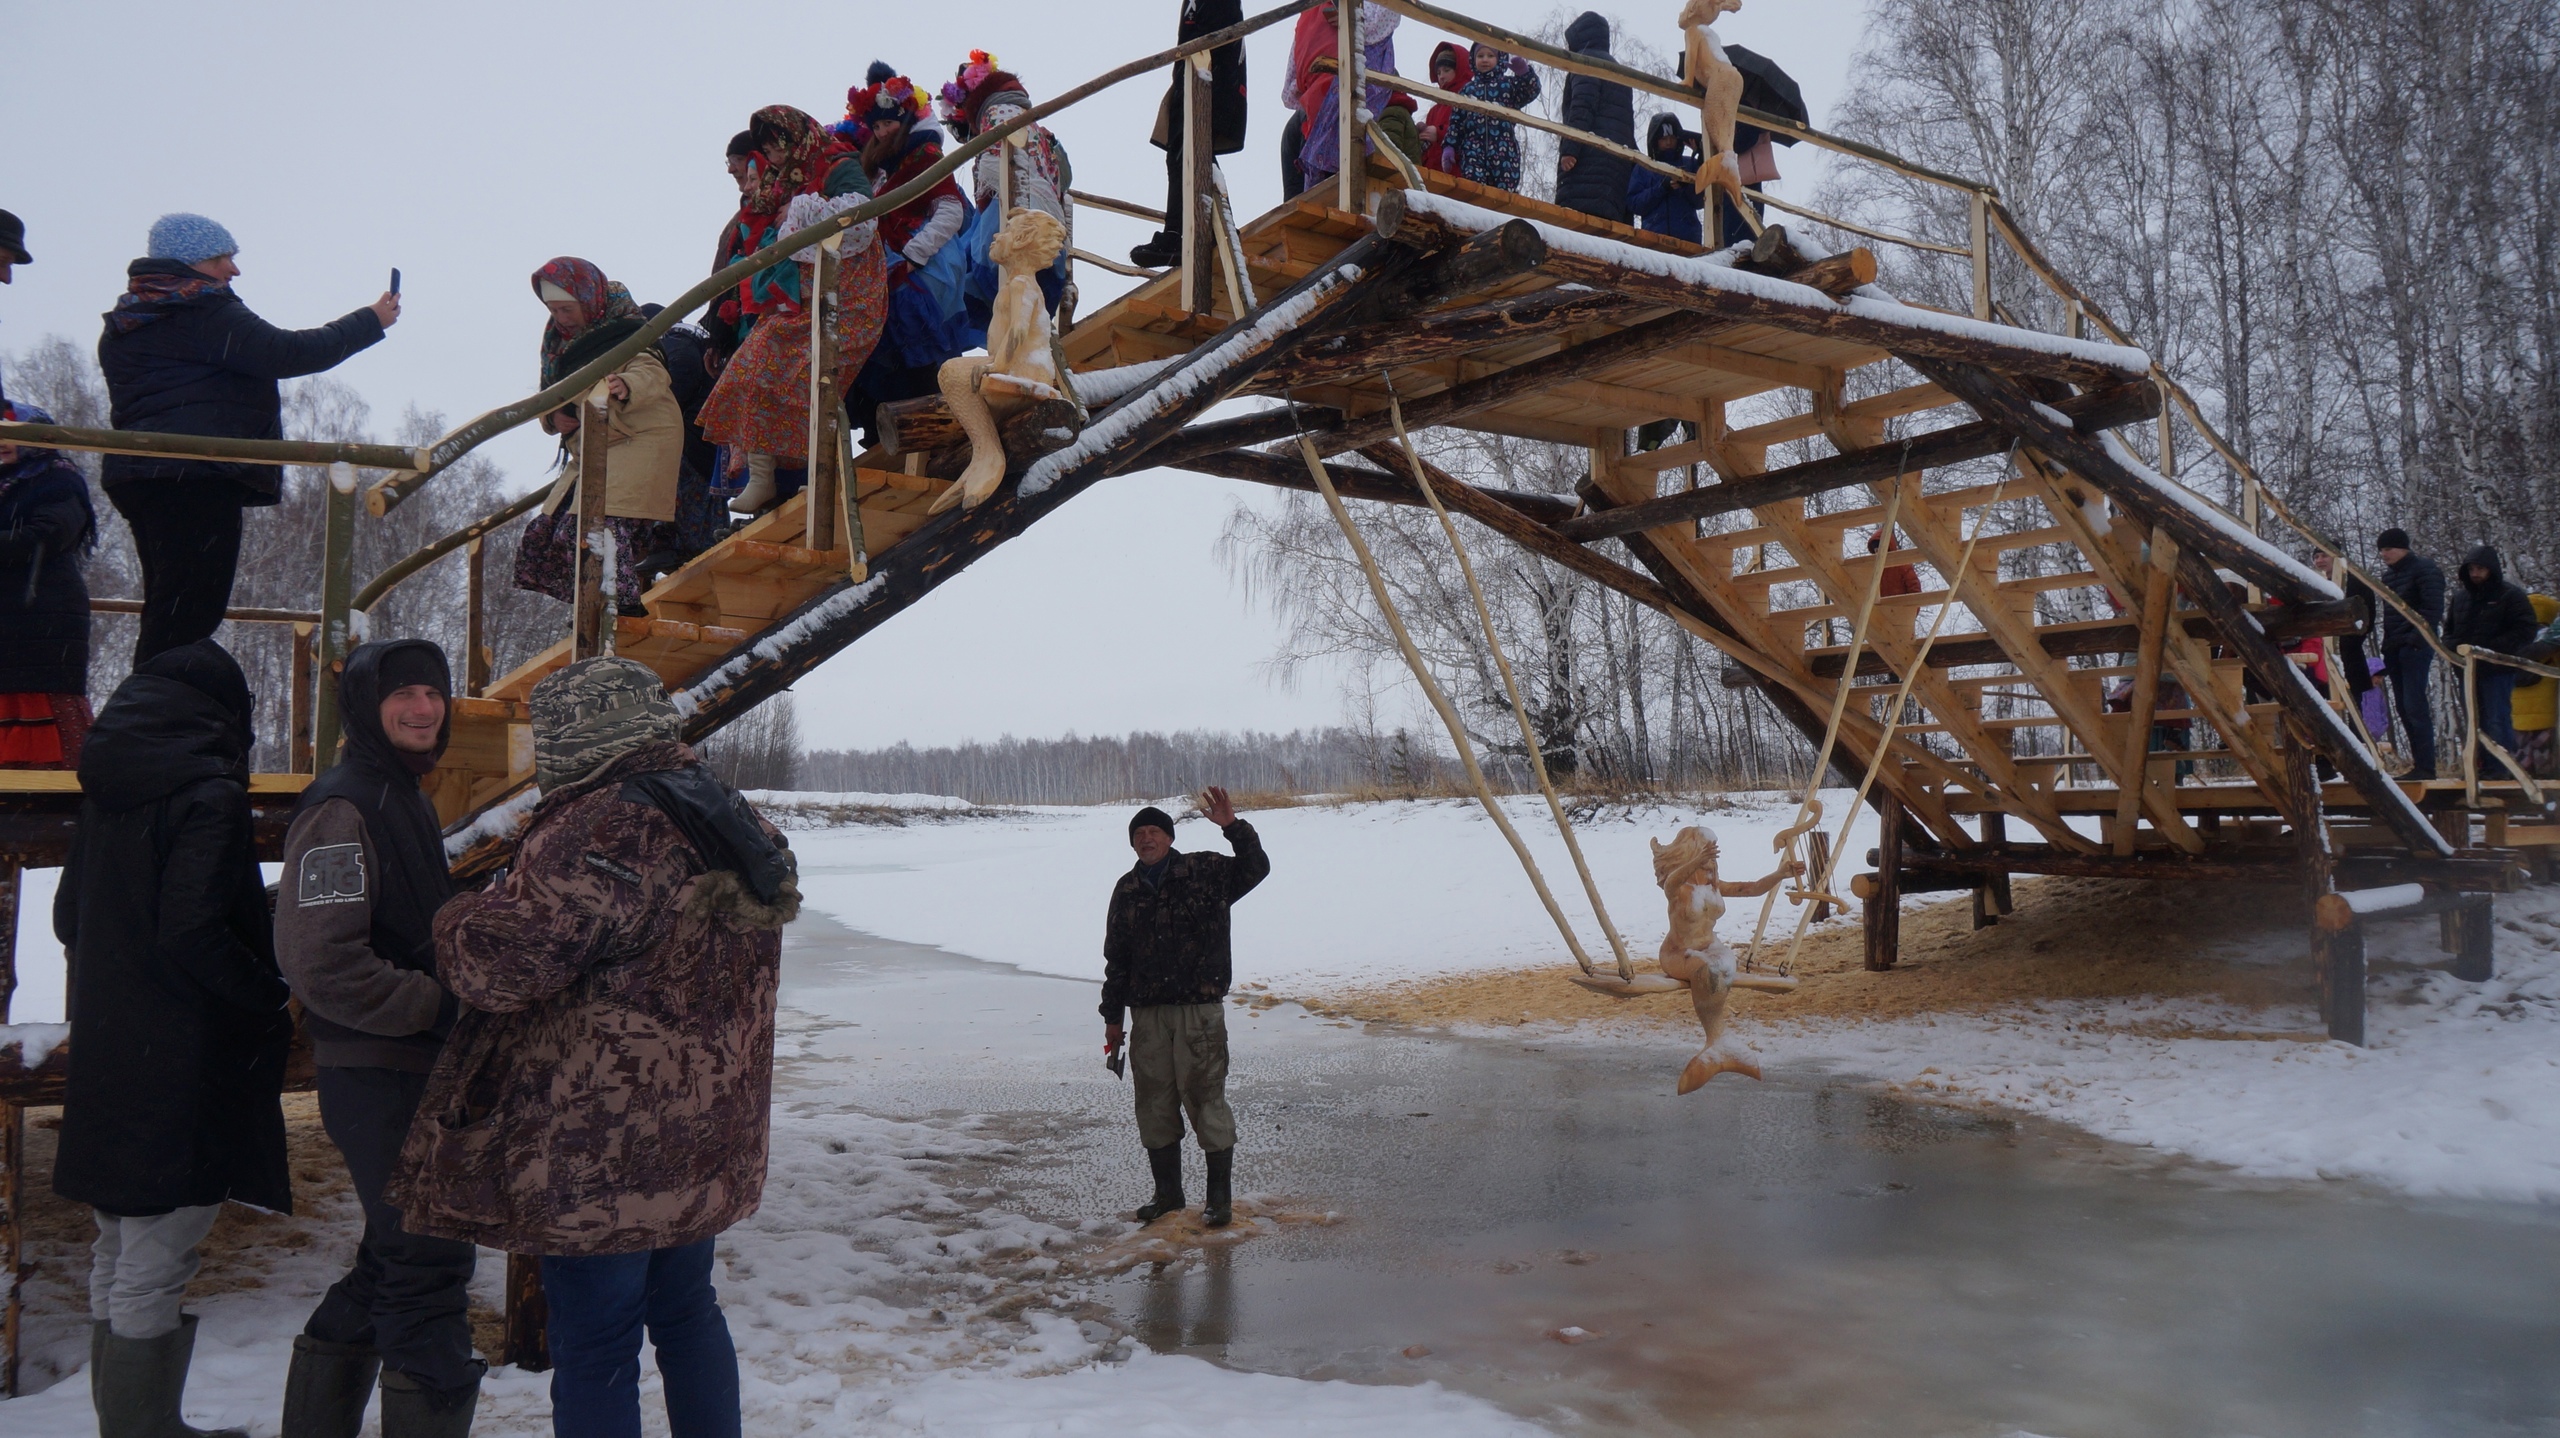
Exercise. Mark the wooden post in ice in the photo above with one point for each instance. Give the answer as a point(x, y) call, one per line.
point(592, 611)
point(1884, 895)
point(2337, 952)
point(527, 1340)
point(2474, 937)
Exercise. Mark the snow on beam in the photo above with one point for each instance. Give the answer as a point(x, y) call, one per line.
point(1702, 285)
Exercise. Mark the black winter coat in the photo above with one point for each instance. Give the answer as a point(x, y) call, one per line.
point(1167, 943)
point(1597, 183)
point(2420, 585)
point(178, 1023)
point(1226, 77)
point(208, 366)
point(2495, 615)
point(45, 527)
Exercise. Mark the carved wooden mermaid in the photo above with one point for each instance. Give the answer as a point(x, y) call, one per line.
point(1020, 364)
point(1720, 97)
point(1691, 952)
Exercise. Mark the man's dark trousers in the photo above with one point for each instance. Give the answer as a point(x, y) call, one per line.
point(2409, 666)
point(186, 532)
point(408, 1297)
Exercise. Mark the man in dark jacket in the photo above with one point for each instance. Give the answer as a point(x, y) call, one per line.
point(2406, 655)
point(46, 529)
point(178, 1018)
point(364, 873)
point(2487, 612)
point(1165, 955)
point(183, 355)
point(1589, 178)
point(1226, 118)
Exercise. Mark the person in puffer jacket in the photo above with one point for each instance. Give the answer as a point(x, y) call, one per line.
point(1589, 178)
point(604, 1099)
point(2486, 612)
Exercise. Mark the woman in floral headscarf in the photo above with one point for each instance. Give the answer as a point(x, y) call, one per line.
point(799, 175)
point(644, 454)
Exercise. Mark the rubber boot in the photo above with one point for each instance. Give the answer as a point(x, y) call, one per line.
point(1218, 1208)
point(142, 1381)
point(326, 1389)
point(411, 1409)
point(1167, 1165)
point(97, 1351)
point(1162, 249)
point(757, 497)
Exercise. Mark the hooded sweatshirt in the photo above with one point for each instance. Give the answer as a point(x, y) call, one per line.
point(2492, 614)
point(1662, 204)
point(364, 873)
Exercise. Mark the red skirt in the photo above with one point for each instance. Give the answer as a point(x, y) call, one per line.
point(42, 731)
point(761, 404)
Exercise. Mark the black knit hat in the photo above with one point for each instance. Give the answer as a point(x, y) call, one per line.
point(2392, 538)
point(1151, 815)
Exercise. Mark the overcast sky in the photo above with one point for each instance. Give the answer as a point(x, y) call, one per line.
point(467, 142)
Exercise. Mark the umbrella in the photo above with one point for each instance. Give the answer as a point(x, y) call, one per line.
point(1768, 89)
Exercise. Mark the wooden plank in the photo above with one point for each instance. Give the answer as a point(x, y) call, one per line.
point(2135, 770)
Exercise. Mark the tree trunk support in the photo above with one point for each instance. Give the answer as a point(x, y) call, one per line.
point(2475, 938)
point(2337, 952)
point(1884, 894)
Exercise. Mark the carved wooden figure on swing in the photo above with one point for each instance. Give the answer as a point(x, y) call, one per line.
point(1691, 952)
point(1719, 100)
point(1020, 365)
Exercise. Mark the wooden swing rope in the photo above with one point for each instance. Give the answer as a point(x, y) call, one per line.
point(1511, 689)
point(1439, 701)
point(1809, 809)
point(1901, 691)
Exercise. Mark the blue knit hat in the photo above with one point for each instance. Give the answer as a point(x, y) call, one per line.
point(189, 239)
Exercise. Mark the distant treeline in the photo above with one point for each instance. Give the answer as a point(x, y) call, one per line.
point(1098, 770)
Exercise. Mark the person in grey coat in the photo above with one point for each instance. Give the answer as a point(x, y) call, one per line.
point(1589, 178)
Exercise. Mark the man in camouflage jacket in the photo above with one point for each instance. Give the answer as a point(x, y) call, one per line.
point(604, 1098)
point(1165, 958)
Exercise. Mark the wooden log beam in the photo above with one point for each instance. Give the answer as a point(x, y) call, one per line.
point(2261, 865)
point(2202, 545)
point(1450, 405)
point(1449, 334)
point(1358, 482)
point(2102, 409)
point(1220, 435)
point(926, 426)
point(1641, 276)
point(2284, 624)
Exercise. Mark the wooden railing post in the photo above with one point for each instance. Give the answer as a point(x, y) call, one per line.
point(2470, 728)
point(825, 407)
point(337, 589)
point(475, 643)
point(1198, 217)
point(13, 1150)
point(298, 705)
point(592, 613)
point(1981, 246)
point(1350, 88)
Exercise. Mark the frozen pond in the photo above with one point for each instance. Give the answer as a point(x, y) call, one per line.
point(1793, 1256)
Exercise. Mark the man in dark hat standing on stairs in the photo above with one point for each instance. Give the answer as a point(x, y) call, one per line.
point(364, 874)
point(1165, 957)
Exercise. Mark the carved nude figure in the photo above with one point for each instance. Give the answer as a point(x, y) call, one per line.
point(1691, 952)
point(1020, 364)
point(1721, 100)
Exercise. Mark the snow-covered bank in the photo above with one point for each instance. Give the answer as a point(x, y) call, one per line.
point(1358, 893)
point(2456, 1094)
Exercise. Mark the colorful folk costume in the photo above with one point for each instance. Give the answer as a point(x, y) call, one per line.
point(760, 408)
point(927, 318)
point(645, 451)
point(1308, 87)
point(47, 527)
point(983, 97)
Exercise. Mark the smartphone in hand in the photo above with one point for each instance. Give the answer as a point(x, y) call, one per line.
point(395, 279)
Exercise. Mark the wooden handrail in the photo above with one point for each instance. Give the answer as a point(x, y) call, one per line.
point(436, 549)
point(151, 444)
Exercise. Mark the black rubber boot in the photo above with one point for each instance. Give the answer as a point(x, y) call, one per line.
point(1165, 249)
point(1218, 1208)
point(1167, 1165)
point(410, 1409)
point(97, 1351)
point(141, 1382)
point(326, 1389)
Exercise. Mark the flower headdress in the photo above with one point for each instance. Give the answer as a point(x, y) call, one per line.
point(975, 69)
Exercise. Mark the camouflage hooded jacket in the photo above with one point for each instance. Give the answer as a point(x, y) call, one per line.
point(607, 1087)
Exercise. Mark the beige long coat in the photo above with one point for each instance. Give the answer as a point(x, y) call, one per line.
point(646, 452)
